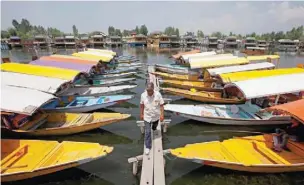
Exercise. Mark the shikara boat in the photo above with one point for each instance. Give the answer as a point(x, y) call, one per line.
point(173, 68)
point(121, 70)
point(244, 114)
point(178, 55)
point(70, 59)
point(102, 51)
point(210, 62)
point(250, 154)
point(124, 65)
point(102, 83)
point(61, 87)
point(95, 91)
point(188, 77)
point(187, 57)
point(246, 75)
point(213, 72)
point(254, 51)
point(204, 96)
point(93, 56)
point(52, 72)
point(80, 104)
point(51, 124)
point(237, 92)
point(86, 68)
point(25, 159)
point(111, 76)
point(212, 57)
point(202, 86)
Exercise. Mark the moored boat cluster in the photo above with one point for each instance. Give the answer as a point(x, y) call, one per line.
point(51, 96)
point(238, 91)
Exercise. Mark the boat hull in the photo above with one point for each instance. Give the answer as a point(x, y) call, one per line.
point(113, 76)
point(253, 168)
point(225, 121)
point(81, 109)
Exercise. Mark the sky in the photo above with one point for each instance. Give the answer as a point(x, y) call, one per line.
point(238, 17)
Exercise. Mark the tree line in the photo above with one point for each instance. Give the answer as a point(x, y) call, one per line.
point(25, 30)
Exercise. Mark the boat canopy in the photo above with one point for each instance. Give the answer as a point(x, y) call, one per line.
point(22, 100)
point(211, 57)
point(197, 55)
point(262, 57)
point(246, 67)
point(295, 109)
point(215, 62)
point(274, 85)
point(255, 48)
point(103, 51)
point(40, 83)
point(72, 57)
point(178, 55)
point(93, 56)
point(246, 75)
point(72, 60)
point(52, 72)
point(65, 65)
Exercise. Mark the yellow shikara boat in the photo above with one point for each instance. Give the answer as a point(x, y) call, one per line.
point(52, 124)
point(24, 159)
point(247, 75)
point(102, 51)
point(177, 76)
point(203, 86)
point(52, 72)
point(92, 56)
point(203, 96)
point(250, 154)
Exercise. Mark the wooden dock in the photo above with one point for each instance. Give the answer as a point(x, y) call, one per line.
point(152, 171)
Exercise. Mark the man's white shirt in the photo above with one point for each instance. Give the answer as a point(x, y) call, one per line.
point(152, 105)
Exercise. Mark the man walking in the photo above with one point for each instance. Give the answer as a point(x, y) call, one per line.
point(151, 111)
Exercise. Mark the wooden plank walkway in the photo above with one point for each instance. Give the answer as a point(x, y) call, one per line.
point(147, 166)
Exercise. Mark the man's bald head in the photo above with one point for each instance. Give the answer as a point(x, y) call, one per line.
point(150, 88)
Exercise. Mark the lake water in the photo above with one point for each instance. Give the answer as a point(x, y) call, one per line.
point(127, 140)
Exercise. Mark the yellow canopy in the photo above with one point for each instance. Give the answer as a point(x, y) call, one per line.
point(103, 51)
point(262, 57)
point(247, 75)
point(52, 72)
point(92, 56)
point(218, 63)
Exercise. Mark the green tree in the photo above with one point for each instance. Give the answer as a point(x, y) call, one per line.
point(143, 30)
point(4, 34)
point(137, 30)
point(279, 35)
point(217, 34)
point(176, 32)
point(200, 34)
point(126, 33)
point(111, 31)
point(15, 24)
point(75, 31)
point(117, 32)
point(12, 31)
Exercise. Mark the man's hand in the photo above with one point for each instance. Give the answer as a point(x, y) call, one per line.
point(141, 117)
point(161, 118)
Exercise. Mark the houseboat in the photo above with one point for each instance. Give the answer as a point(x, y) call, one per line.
point(4, 44)
point(41, 41)
point(137, 40)
point(286, 45)
point(27, 43)
point(114, 41)
point(70, 41)
point(15, 42)
point(301, 48)
point(212, 42)
point(262, 43)
point(190, 41)
point(59, 42)
point(250, 42)
point(84, 41)
point(251, 51)
point(174, 41)
point(230, 42)
point(157, 39)
point(98, 41)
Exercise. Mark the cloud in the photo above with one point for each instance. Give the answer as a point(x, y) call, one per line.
point(283, 12)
